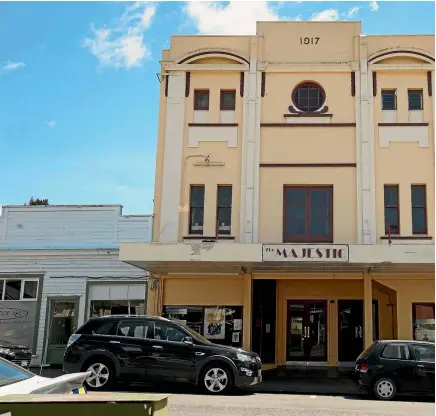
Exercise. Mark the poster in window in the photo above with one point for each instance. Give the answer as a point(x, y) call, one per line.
point(214, 323)
point(237, 325)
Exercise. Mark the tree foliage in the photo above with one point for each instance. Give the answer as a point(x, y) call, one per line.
point(37, 201)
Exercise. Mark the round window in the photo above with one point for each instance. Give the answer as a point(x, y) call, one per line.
point(308, 97)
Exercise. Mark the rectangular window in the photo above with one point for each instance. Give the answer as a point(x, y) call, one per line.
point(415, 99)
point(392, 216)
point(308, 214)
point(389, 100)
point(419, 210)
point(228, 100)
point(219, 324)
point(12, 289)
point(196, 210)
point(396, 352)
point(201, 100)
point(224, 210)
point(423, 321)
point(136, 329)
point(30, 289)
point(116, 307)
point(423, 352)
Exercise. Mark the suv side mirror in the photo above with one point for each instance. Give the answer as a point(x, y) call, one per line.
point(188, 341)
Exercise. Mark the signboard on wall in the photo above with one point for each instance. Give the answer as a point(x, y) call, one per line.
point(17, 322)
point(305, 252)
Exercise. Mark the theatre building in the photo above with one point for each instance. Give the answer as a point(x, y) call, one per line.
point(294, 197)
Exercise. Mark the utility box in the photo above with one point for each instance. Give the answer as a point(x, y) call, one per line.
point(92, 404)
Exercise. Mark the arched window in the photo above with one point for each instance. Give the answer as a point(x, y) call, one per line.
point(308, 97)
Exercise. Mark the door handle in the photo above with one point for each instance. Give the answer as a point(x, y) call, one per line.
point(157, 347)
point(114, 342)
point(199, 353)
point(420, 366)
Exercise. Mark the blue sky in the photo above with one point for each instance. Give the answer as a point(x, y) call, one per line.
point(79, 92)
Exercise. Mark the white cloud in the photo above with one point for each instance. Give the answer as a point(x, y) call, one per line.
point(352, 12)
point(327, 15)
point(11, 66)
point(121, 43)
point(51, 124)
point(234, 18)
point(373, 5)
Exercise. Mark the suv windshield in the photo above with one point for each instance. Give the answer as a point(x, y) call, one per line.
point(197, 335)
point(11, 373)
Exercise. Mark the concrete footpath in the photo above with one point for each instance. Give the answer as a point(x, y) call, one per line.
point(273, 382)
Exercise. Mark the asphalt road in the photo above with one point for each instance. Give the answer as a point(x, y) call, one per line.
point(292, 405)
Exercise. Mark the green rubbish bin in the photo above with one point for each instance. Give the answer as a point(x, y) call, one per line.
point(91, 404)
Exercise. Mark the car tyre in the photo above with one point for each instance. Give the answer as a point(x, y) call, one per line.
point(216, 379)
point(385, 389)
point(103, 375)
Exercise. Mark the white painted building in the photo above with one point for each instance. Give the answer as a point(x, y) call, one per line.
point(59, 265)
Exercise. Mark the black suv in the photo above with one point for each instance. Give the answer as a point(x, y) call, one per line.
point(386, 368)
point(154, 349)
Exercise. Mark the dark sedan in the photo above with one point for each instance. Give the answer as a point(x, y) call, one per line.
point(18, 354)
point(388, 368)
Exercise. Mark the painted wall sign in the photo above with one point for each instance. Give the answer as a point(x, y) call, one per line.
point(309, 41)
point(305, 252)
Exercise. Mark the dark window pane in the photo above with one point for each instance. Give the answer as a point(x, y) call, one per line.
point(166, 332)
point(297, 211)
point(228, 99)
point(30, 289)
point(319, 203)
point(308, 97)
point(224, 196)
point(201, 100)
point(108, 328)
point(319, 226)
point(13, 289)
point(424, 352)
point(197, 196)
point(391, 219)
point(296, 227)
point(197, 220)
point(415, 100)
point(224, 220)
point(424, 322)
point(391, 196)
point(418, 196)
point(296, 195)
point(396, 352)
point(418, 221)
point(1, 289)
point(389, 100)
point(136, 329)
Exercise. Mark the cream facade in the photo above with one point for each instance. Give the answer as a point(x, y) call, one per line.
point(294, 195)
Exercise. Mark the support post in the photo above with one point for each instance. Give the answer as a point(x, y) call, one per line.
point(246, 333)
point(154, 296)
point(367, 306)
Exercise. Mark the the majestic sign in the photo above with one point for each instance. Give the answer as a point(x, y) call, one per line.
point(305, 252)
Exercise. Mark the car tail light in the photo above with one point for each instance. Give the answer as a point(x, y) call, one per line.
point(363, 367)
point(73, 339)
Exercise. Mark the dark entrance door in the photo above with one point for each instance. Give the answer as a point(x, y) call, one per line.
point(263, 330)
point(306, 330)
point(351, 328)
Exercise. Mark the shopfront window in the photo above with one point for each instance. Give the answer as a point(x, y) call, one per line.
point(219, 324)
point(18, 289)
point(116, 307)
point(423, 322)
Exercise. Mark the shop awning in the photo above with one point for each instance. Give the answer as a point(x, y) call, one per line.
point(237, 258)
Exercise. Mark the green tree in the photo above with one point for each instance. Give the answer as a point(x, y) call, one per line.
point(37, 201)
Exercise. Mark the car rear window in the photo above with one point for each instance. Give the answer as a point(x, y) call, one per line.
point(368, 350)
point(98, 327)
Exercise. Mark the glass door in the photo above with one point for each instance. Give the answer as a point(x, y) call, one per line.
point(62, 323)
point(307, 330)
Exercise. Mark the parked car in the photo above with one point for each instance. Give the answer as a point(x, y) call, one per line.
point(17, 380)
point(388, 368)
point(155, 349)
point(18, 354)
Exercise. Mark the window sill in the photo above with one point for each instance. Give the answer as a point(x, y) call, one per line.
point(407, 239)
point(208, 238)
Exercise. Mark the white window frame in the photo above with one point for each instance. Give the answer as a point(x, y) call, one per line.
point(3, 279)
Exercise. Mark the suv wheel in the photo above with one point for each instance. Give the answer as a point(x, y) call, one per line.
point(102, 375)
point(385, 389)
point(216, 379)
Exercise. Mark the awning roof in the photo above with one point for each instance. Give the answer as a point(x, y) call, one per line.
point(237, 258)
